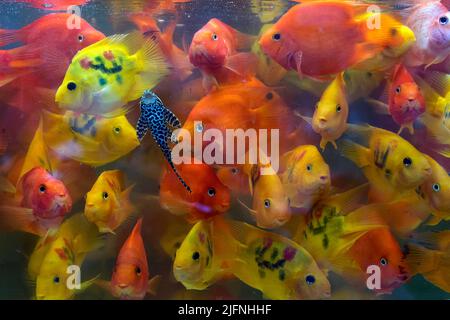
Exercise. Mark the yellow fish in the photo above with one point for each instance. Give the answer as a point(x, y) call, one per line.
point(436, 191)
point(273, 264)
point(437, 115)
point(390, 163)
point(201, 259)
point(108, 202)
point(331, 114)
point(49, 264)
point(431, 258)
point(270, 204)
point(358, 83)
point(89, 140)
point(305, 176)
point(332, 228)
point(401, 40)
point(103, 77)
point(268, 70)
point(268, 10)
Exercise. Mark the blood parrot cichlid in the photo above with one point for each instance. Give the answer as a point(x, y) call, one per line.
point(87, 139)
point(52, 4)
point(306, 37)
point(105, 76)
point(378, 247)
point(331, 113)
point(406, 102)
point(108, 202)
point(305, 176)
point(40, 203)
point(270, 203)
point(214, 50)
point(277, 266)
point(74, 240)
point(130, 278)
point(390, 163)
point(209, 197)
point(429, 255)
point(51, 44)
point(333, 228)
point(201, 259)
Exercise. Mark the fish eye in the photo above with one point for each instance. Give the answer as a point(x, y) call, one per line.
point(338, 108)
point(80, 38)
point(71, 86)
point(117, 130)
point(393, 32)
point(443, 20)
point(196, 256)
point(215, 37)
point(137, 270)
point(436, 187)
point(310, 279)
point(211, 192)
point(276, 36)
point(234, 170)
point(383, 261)
point(42, 188)
point(407, 162)
point(309, 167)
point(269, 96)
point(398, 89)
point(199, 127)
point(56, 279)
point(267, 203)
point(105, 195)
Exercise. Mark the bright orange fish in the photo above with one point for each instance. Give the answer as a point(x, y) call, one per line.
point(321, 38)
point(209, 197)
point(214, 50)
point(130, 279)
point(176, 57)
point(406, 102)
point(52, 4)
point(379, 247)
point(54, 45)
point(40, 203)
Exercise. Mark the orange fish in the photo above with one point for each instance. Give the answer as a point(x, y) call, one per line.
point(41, 202)
point(245, 106)
point(406, 102)
point(379, 247)
point(53, 46)
point(176, 57)
point(214, 50)
point(235, 179)
point(322, 38)
point(52, 4)
point(130, 279)
point(209, 196)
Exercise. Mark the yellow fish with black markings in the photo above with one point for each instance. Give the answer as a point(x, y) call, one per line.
point(103, 77)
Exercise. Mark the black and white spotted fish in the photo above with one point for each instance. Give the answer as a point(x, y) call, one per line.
point(161, 122)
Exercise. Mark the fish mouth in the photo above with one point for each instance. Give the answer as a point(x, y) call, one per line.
point(413, 107)
point(200, 57)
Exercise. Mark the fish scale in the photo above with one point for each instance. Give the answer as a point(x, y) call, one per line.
point(156, 117)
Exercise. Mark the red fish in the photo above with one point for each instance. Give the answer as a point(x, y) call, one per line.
point(379, 247)
point(52, 4)
point(406, 102)
point(322, 38)
point(209, 197)
point(52, 46)
point(41, 202)
point(176, 57)
point(214, 50)
point(130, 279)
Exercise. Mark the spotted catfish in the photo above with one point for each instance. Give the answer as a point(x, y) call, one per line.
point(161, 122)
